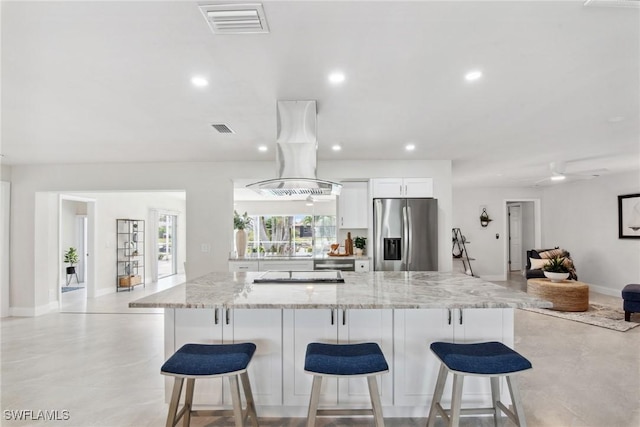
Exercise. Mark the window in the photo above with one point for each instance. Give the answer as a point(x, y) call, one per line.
point(291, 235)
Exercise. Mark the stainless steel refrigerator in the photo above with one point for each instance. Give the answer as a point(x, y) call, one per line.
point(405, 234)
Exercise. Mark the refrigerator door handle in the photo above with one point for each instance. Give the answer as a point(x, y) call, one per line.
point(405, 238)
point(409, 238)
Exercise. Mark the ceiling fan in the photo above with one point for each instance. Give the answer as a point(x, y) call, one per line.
point(558, 174)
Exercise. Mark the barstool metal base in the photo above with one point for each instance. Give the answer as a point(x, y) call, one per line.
point(452, 416)
point(240, 416)
point(374, 395)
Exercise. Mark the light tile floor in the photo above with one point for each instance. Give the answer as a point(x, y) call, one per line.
point(100, 360)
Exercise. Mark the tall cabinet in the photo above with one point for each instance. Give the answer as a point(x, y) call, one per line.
point(130, 253)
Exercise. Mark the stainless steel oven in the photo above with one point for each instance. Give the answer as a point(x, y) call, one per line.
point(335, 264)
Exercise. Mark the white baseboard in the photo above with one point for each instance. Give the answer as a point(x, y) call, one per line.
point(496, 278)
point(605, 290)
point(30, 311)
point(104, 291)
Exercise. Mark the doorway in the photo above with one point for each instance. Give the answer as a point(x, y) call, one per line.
point(76, 228)
point(523, 231)
point(167, 261)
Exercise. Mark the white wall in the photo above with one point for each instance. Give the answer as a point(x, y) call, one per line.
point(209, 207)
point(489, 252)
point(582, 217)
point(5, 203)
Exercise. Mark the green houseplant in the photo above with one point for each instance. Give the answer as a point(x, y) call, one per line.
point(71, 258)
point(360, 243)
point(240, 222)
point(556, 269)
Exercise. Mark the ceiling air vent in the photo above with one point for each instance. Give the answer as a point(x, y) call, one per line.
point(235, 18)
point(222, 128)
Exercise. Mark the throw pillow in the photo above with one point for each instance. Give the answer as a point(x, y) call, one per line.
point(537, 264)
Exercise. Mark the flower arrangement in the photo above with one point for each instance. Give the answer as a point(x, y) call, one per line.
point(241, 222)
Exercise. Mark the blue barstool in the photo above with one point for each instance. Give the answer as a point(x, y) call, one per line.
point(487, 359)
point(340, 360)
point(193, 361)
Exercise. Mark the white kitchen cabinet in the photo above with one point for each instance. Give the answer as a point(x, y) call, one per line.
point(402, 187)
point(263, 327)
point(302, 327)
point(415, 366)
point(353, 206)
point(366, 325)
point(245, 265)
point(362, 265)
point(286, 265)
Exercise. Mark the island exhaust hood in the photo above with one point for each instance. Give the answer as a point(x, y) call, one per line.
point(296, 157)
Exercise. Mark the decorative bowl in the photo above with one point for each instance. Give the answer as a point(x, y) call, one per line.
point(556, 277)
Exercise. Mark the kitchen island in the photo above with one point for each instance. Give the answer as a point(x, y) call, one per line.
point(402, 311)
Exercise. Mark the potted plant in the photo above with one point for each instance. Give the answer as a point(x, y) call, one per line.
point(71, 258)
point(555, 269)
point(240, 222)
point(360, 243)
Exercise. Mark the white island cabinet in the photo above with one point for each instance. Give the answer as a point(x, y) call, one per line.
point(334, 326)
point(226, 326)
point(416, 367)
point(404, 312)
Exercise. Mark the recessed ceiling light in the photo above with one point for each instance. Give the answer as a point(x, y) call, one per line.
point(336, 147)
point(199, 81)
point(263, 148)
point(558, 177)
point(337, 77)
point(410, 147)
point(473, 75)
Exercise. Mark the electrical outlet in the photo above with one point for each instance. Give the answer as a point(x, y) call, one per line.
point(205, 247)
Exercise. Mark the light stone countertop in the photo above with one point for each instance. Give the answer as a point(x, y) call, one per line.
point(381, 289)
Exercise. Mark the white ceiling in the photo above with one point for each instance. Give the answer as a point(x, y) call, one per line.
point(87, 81)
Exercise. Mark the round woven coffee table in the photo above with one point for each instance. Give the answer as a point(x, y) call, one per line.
point(568, 295)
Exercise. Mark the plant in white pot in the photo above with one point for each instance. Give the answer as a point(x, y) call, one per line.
point(555, 269)
point(240, 222)
point(360, 243)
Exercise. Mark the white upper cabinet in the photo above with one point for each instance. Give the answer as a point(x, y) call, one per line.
point(353, 206)
point(402, 187)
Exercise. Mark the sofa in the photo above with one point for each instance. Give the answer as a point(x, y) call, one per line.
point(534, 267)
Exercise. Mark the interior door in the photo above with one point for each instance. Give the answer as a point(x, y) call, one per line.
point(515, 237)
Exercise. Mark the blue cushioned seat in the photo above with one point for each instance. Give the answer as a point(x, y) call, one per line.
point(488, 358)
point(193, 361)
point(345, 359)
point(209, 359)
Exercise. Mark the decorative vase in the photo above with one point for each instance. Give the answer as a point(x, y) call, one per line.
point(358, 252)
point(241, 243)
point(556, 277)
